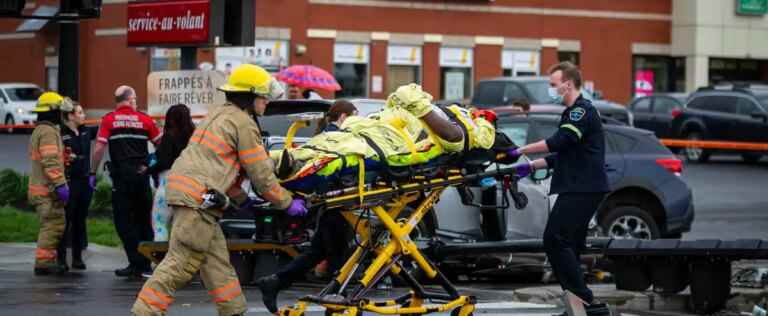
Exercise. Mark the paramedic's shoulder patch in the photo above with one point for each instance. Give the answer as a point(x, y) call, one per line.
point(577, 114)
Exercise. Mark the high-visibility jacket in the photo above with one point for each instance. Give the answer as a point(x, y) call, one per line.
point(223, 150)
point(46, 152)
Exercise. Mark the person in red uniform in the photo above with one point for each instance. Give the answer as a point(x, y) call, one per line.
point(127, 132)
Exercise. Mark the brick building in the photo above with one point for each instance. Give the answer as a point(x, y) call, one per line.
point(374, 45)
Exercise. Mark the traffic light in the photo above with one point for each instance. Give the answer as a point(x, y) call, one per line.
point(9, 8)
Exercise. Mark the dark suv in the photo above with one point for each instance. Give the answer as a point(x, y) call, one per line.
point(502, 91)
point(648, 199)
point(735, 114)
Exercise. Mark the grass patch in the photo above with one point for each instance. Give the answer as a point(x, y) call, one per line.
point(21, 226)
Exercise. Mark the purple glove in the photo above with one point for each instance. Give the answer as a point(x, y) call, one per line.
point(297, 208)
point(524, 169)
point(92, 181)
point(63, 192)
point(514, 154)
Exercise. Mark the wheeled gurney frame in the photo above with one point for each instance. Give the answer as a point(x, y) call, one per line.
point(387, 245)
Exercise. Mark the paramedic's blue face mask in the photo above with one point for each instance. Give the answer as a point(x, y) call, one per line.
point(557, 98)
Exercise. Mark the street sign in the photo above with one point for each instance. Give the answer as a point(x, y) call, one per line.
point(179, 23)
point(194, 88)
point(751, 7)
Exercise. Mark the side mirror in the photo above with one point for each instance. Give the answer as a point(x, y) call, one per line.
point(541, 175)
point(758, 115)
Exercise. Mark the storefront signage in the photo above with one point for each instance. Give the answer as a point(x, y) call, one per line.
point(404, 55)
point(193, 88)
point(752, 7)
point(643, 83)
point(350, 53)
point(270, 54)
point(169, 23)
point(455, 57)
point(520, 61)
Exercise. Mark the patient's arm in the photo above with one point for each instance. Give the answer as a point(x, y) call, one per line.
point(444, 129)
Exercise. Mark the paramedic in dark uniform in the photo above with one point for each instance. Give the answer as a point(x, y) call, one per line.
point(127, 133)
point(77, 140)
point(579, 179)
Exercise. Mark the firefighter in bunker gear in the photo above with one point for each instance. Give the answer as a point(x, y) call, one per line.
point(48, 190)
point(223, 150)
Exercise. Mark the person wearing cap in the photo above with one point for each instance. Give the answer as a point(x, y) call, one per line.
point(48, 190)
point(127, 132)
point(223, 151)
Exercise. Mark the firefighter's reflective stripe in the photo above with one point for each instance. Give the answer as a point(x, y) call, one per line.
point(34, 155)
point(49, 150)
point(155, 298)
point(253, 155)
point(54, 174)
point(42, 254)
point(38, 190)
point(275, 193)
point(215, 144)
point(226, 292)
point(186, 185)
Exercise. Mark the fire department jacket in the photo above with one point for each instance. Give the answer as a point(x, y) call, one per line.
point(46, 152)
point(223, 150)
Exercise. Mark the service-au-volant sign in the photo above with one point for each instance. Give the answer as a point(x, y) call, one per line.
point(193, 88)
point(182, 22)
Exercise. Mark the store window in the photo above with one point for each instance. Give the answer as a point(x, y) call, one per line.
point(351, 69)
point(654, 74)
point(572, 57)
point(455, 73)
point(52, 78)
point(723, 70)
point(520, 63)
point(404, 66)
point(272, 55)
point(165, 59)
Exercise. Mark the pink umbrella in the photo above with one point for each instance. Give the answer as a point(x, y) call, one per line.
point(309, 77)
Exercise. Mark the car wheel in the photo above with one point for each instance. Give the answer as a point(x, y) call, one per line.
point(9, 121)
point(695, 154)
point(751, 157)
point(629, 222)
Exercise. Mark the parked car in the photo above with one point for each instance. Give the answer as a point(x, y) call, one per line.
point(17, 100)
point(656, 112)
point(734, 114)
point(502, 91)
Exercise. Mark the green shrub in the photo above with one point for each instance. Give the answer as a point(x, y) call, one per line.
point(13, 188)
point(19, 226)
point(101, 204)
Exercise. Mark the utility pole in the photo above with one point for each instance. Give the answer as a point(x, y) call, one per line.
point(69, 51)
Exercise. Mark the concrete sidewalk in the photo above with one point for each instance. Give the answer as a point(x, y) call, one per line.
point(21, 257)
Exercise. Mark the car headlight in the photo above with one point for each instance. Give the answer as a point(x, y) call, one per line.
point(20, 110)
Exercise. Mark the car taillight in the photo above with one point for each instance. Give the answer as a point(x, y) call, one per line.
point(676, 112)
point(672, 165)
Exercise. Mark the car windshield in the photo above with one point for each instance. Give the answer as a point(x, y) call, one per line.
point(763, 101)
point(516, 131)
point(367, 107)
point(24, 94)
point(538, 90)
point(277, 125)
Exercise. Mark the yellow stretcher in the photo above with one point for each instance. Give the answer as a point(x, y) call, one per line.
point(383, 242)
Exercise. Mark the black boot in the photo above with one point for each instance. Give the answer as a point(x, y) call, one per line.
point(270, 286)
point(597, 309)
point(126, 272)
point(77, 259)
point(61, 256)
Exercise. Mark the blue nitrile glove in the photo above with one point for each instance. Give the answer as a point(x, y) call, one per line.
point(297, 208)
point(488, 183)
point(524, 169)
point(514, 154)
point(63, 192)
point(92, 181)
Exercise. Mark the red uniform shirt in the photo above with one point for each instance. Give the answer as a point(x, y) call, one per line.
point(127, 132)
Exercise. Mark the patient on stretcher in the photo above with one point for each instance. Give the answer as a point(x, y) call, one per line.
point(408, 131)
